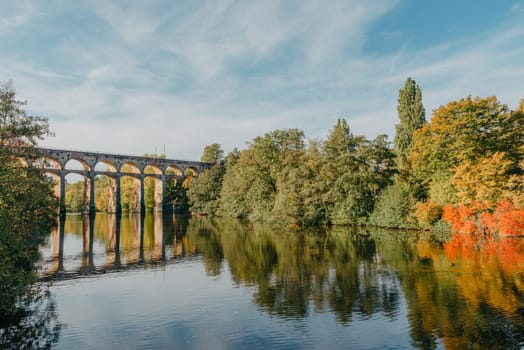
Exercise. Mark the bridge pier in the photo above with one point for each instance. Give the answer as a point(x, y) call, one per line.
point(62, 193)
point(92, 207)
point(118, 208)
point(163, 205)
point(142, 194)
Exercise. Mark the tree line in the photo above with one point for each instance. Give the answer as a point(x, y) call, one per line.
point(470, 154)
point(463, 169)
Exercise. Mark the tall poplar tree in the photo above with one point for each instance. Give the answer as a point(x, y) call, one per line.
point(412, 116)
point(396, 201)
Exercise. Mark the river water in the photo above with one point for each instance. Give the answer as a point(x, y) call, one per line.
point(176, 283)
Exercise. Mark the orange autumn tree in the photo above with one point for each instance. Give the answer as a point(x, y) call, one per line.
point(467, 156)
point(476, 220)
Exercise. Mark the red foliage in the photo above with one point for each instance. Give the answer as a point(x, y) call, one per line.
point(508, 251)
point(510, 220)
point(505, 219)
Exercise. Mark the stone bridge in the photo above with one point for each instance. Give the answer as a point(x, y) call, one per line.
point(115, 166)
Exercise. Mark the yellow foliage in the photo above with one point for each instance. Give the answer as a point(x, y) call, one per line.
point(487, 181)
point(428, 213)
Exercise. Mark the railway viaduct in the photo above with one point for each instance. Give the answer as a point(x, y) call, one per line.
point(54, 161)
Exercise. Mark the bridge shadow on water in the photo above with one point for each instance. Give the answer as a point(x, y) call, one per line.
point(453, 295)
point(89, 245)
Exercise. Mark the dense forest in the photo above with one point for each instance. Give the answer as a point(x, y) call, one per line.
point(463, 169)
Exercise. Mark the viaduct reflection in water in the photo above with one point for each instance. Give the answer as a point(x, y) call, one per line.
point(456, 295)
point(91, 244)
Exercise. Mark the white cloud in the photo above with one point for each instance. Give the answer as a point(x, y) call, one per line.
point(226, 71)
point(133, 24)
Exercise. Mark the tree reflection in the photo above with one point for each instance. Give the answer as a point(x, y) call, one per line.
point(463, 294)
point(294, 272)
point(33, 326)
point(457, 294)
point(204, 236)
point(460, 294)
point(362, 285)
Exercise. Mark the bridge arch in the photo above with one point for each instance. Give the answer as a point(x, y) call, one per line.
point(135, 170)
point(80, 191)
point(130, 166)
point(173, 170)
point(131, 195)
point(191, 171)
point(104, 165)
point(152, 168)
point(154, 186)
point(76, 163)
point(47, 162)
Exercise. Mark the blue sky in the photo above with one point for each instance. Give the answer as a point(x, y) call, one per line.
point(129, 76)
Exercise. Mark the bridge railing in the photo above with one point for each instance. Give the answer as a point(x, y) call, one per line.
point(73, 150)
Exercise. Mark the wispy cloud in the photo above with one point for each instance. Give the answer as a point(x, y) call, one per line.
point(22, 11)
point(517, 7)
point(186, 74)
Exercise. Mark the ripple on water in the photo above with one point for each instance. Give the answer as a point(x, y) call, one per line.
point(232, 296)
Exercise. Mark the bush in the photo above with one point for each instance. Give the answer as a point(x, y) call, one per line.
point(393, 207)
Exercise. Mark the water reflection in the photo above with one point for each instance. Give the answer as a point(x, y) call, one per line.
point(34, 326)
point(459, 295)
point(460, 300)
point(452, 296)
point(86, 245)
point(334, 271)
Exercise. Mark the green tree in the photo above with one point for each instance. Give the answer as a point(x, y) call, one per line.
point(394, 207)
point(412, 116)
point(212, 153)
point(204, 192)
point(104, 189)
point(74, 197)
point(353, 174)
point(129, 190)
point(27, 205)
point(176, 194)
point(235, 186)
point(397, 201)
point(298, 201)
point(251, 184)
point(339, 172)
point(19, 131)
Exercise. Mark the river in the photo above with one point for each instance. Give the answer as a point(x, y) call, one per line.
point(156, 281)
